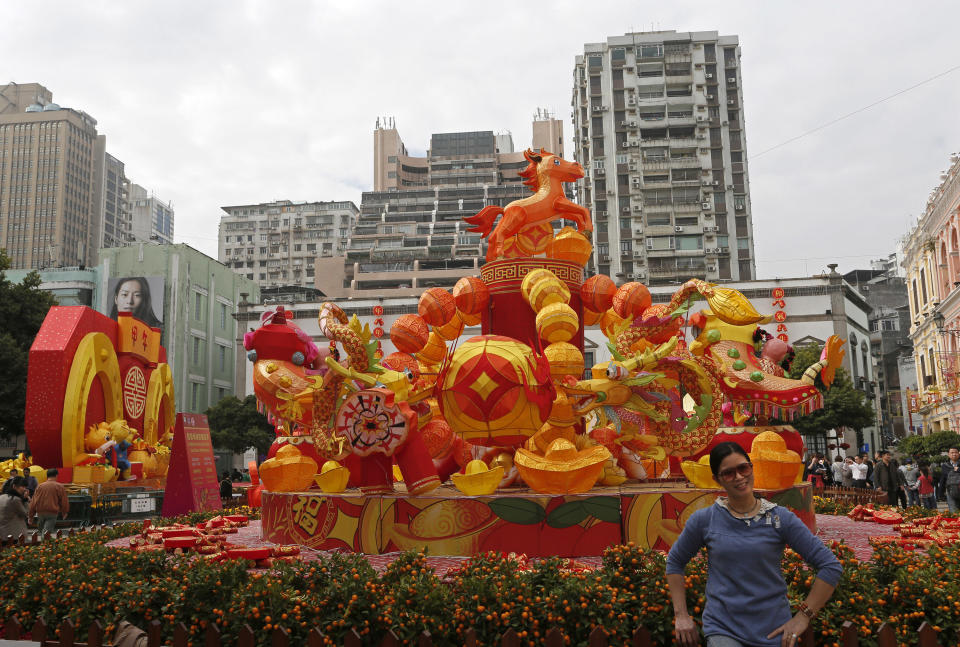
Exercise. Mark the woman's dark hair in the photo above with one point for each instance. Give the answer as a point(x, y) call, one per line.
point(16, 481)
point(144, 311)
point(721, 451)
point(925, 470)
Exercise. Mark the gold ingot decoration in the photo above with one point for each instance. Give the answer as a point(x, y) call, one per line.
point(332, 478)
point(288, 471)
point(479, 480)
point(557, 322)
point(563, 469)
point(570, 245)
point(698, 473)
point(565, 359)
point(774, 466)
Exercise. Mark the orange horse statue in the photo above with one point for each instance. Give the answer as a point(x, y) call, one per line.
point(545, 175)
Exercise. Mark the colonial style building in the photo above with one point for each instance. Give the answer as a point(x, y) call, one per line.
point(932, 264)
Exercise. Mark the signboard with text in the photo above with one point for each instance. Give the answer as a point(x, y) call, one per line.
point(192, 479)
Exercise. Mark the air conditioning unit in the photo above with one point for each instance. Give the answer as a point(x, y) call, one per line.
point(625, 145)
point(639, 275)
point(638, 231)
point(711, 268)
point(625, 209)
point(701, 118)
point(708, 75)
point(731, 102)
point(716, 183)
point(678, 229)
point(637, 252)
point(729, 186)
point(738, 207)
point(611, 192)
point(598, 108)
point(599, 171)
point(624, 123)
point(710, 228)
point(731, 79)
point(710, 97)
point(631, 167)
point(705, 182)
point(705, 205)
point(631, 101)
point(601, 214)
point(634, 143)
point(638, 207)
point(604, 258)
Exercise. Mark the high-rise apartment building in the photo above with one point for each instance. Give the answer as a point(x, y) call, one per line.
point(276, 243)
point(659, 128)
point(151, 219)
point(411, 234)
point(49, 194)
point(115, 203)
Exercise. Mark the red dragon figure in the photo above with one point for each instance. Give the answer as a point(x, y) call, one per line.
point(545, 175)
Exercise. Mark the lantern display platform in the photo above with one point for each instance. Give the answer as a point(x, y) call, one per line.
point(446, 522)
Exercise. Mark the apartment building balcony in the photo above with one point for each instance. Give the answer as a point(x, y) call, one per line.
point(658, 207)
point(687, 205)
point(655, 142)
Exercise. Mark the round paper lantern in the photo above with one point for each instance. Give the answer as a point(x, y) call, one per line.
point(541, 287)
point(557, 322)
point(570, 245)
point(409, 333)
point(471, 295)
point(437, 306)
point(591, 318)
point(597, 292)
point(434, 351)
point(450, 330)
point(631, 300)
point(565, 359)
point(493, 393)
point(469, 320)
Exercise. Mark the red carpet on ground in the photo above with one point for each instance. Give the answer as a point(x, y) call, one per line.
point(856, 534)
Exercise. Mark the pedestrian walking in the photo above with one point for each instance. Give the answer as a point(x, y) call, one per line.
point(950, 479)
point(49, 502)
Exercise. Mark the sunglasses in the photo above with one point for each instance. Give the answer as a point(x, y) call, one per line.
point(743, 469)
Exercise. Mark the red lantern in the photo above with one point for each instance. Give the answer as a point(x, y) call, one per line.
point(377, 310)
point(471, 295)
point(437, 306)
point(409, 333)
point(597, 293)
point(378, 332)
point(631, 300)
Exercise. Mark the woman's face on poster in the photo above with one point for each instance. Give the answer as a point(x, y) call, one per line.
point(129, 296)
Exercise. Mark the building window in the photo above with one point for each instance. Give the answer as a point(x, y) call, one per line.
point(194, 396)
point(223, 317)
point(222, 357)
point(197, 306)
point(923, 284)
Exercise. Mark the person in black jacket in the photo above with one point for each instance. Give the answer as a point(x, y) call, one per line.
point(949, 481)
point(888, 478)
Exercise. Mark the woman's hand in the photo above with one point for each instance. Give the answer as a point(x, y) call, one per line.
point(791, 630)
point(686, 630)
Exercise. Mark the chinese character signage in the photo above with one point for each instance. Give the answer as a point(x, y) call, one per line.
point(780, 315)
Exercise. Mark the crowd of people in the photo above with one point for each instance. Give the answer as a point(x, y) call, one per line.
point(912, 483)
point(24, 501)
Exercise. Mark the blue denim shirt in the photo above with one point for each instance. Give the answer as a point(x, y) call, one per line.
point(746, 593)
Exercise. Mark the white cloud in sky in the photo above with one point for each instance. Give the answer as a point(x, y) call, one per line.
point(223, 103)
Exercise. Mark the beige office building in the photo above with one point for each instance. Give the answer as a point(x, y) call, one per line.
point(49, 196)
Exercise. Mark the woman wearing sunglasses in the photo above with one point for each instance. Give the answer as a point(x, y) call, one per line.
point(745, 536)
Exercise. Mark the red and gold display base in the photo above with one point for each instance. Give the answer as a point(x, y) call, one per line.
point(446, 522)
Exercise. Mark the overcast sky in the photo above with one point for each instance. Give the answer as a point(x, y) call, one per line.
point(225, 103)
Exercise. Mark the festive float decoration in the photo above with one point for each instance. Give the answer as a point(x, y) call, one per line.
point(529, 439)
point(100, 399)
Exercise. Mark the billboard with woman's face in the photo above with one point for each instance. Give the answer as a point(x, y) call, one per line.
point(141, 296)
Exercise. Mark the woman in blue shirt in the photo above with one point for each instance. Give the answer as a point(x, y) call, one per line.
point(745, 536)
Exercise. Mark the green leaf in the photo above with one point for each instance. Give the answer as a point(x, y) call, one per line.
point(516, 510)
point(642, 379)
point(604, 508)
point(568, 514)
point(613, 351)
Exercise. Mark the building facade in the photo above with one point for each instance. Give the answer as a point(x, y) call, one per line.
point(276, 243)
point(198, 302)
point(114, 188)
point(150, 219)
point(659, 126)
point(50, 161)
point(931, 260)
point(411, 234)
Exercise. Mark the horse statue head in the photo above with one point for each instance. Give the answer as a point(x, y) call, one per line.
point(545, 164)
